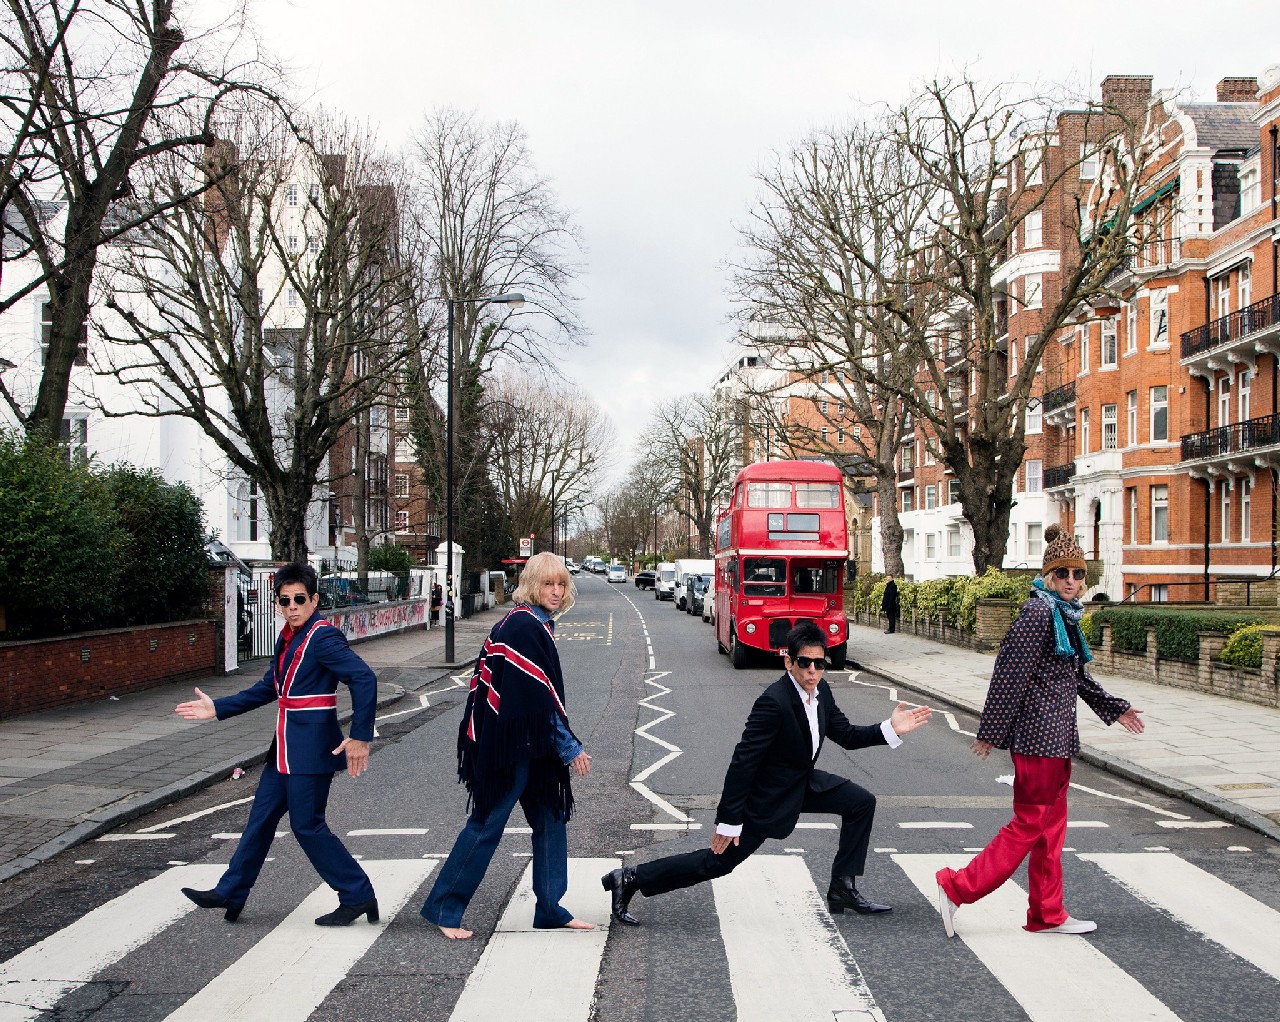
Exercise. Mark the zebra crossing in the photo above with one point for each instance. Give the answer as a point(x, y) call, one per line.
point(786, 956)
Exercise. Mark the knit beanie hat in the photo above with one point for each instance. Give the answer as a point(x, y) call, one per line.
point(1061, 550)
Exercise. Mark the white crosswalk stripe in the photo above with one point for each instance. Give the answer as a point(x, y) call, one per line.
point(1054, 977)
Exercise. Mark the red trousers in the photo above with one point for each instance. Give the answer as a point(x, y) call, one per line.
point(1038, 829)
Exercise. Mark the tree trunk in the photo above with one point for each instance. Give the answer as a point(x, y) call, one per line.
point(360, 499)
point(69, 310)
point(986, 494)
point(288, 523)
point(890, 524)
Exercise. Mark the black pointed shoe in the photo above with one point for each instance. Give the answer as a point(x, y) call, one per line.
point(212, 899)
point(345, 915)
point(842, 894)
point(622, 887)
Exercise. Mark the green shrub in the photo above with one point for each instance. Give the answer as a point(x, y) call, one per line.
point(1244, 647)
point(1177, 631)
point(864, 586)
point(993, 585)
point(1089, 628)
point(933, 597)
point(390, 557)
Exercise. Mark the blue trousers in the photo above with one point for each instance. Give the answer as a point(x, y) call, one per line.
point(474, 848)
point(305, 797)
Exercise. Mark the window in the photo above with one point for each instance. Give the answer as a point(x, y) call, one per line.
point(840, 435)
point(292, 242)
point(1224, 510)
point(819, 495)
point(402, 484)
point(46, 335)
point(1250, 189)
point(290, 297)
point(1159, 514)
point(928, 455)
point(1032, 286)
point(402, 413)
point(1028, 343)
point(313, 244)
point(404, 448)
point(1131, 405)
point(1033, 167)
point(839, 407)
point(1246, 509)
point(1084, 431)
point(1109, 352)
point(314, 191)
point(1160, 593)
point(814, 577)
point(1110, 428)
point(857, 431)
point(1085, 334)
point(824, 406)
point(907, 500)
point(402, 521)
point(1035, 539)
point(1133, 514)
point(1159, 413)
point(930, 546)
point(1244, 378)
point(1223, 285)
point(1088, 163)
point(907, 459)
point(930, 498)
point(764, 576)
point(953, 543)
point(1034, 470)
point(1159, 318)
point(75, 435)
point(1033, 230)
point(953, 491)
point(1013, 357)
point(1224, 400)
point(1244, 287)
point(768, 494)
point(291, 195)
point(1130, 327)
point(1035, 416)
point(824, 436)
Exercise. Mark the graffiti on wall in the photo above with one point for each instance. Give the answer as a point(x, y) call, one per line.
point(378, 618)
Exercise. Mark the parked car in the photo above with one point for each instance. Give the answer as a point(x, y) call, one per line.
point(685, 568)
point(615, 573)
point(665, 588)
point(573, 567)
point(709, 601)
point(695, 589)
point(646, 579)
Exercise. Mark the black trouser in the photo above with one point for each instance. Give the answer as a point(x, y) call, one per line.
point(893, 620)
point(852, 803)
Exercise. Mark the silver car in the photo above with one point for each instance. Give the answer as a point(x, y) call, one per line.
point(615, 573)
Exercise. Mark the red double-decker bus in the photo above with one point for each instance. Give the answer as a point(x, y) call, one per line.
point(781, 550)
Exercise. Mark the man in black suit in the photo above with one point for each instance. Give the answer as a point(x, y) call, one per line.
point(889, 605)
point(771, 780)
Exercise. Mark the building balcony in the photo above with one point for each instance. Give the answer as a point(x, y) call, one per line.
point(1249, 443)
point(1059, 405)
point(1058, 476)
point(906, 477)
point(1237, 337)
point(1106, 462)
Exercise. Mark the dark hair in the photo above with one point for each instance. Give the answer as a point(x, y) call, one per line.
point(291, 573)
point(806, 633)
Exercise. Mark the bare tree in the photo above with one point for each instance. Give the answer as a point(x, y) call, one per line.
point(693, 441)
point(486, 224)
point(271, 312)
point(92, 94)
point(548, 445)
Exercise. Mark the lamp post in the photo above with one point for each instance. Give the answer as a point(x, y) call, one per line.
point(515, 300)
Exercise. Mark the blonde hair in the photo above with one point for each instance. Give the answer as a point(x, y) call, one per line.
point(541, 568)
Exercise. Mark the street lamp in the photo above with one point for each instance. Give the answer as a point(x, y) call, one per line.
point(516, 301)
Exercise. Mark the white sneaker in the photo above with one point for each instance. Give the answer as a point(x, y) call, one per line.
point(1072, 925)
point(948, 909)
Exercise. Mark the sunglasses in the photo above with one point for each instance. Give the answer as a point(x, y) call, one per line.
point(805, 662)
point(1076, 573)
point(299, 600)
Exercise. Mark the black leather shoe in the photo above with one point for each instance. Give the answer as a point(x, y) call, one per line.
point(622, 886)
point(212, 899)
point(345, 915)
point(842, 894)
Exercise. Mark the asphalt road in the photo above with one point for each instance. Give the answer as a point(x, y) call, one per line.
point(1156, 955)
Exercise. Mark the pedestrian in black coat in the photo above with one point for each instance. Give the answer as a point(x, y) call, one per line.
point(889, 605)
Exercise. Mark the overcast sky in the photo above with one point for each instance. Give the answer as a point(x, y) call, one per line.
point(650, 118)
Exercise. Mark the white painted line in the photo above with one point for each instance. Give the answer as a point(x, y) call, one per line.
point(235, 835)
point(666, 826)
point(1156, 848)
point(1192, 824)
point(824, 825)
point(90, 862)
point(423, 704)
point(661, 802)
point(98, 939)
point(1239, 848)
point(377, 832)
point(285, 976)
point(135, 837)
point(1201, 902)
point(1054, 977)
point(1130, 801)
point(935, 825)
point(1087, 824)
point(794, 851)
point(517, 830)
point(787, 960)
point(177, 862)
point(885, 851)
point(528, 975)
point(194, 816)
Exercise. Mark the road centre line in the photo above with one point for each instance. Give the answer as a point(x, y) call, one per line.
point(423, 704)
point(1192, 824)
point(195, 816)
point(934, 825)
point(135, 837)
point(392, 831)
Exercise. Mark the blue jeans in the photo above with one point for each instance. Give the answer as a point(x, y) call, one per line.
point(474, 848)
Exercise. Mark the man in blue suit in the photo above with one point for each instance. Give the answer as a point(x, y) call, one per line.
point(311, 657)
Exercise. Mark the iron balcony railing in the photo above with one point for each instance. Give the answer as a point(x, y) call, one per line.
point(1059, 475)
point(1239, 436)
point(1060, 397)
point(1261, 315)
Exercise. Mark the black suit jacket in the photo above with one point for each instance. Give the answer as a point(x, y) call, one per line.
point(772, 766)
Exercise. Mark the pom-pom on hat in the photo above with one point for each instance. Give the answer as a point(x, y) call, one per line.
point(1061, 550)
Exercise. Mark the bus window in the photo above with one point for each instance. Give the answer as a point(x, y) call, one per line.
point(764, 576)
point(815, 577)
point(823, 495)
point(769, 494)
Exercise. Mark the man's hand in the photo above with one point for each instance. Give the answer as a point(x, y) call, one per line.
point(903, 719)
point(357, 755)
point(719, 842)
point(582, 765)
point(981, 749)
point(1129, 720)
point(197, 709)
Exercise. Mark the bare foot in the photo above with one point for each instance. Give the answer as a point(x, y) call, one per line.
point(456, 933)
point(578, 924)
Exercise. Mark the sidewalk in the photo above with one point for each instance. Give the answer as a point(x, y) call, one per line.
point(68, 775)
point(1219, 754)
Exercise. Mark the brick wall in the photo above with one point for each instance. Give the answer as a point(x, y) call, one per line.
point(42, 674)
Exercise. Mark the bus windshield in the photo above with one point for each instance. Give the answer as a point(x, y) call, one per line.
point(815, 577)
point(764, 576)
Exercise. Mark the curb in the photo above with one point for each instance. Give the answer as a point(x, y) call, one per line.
point(1218, 806)
point(111, 817)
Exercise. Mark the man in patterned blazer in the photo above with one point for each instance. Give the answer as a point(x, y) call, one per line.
point(311, 658)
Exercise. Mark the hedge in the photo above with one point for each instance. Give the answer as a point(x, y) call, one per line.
point(1177, 631)
point(957, 596)
point(1244, 647)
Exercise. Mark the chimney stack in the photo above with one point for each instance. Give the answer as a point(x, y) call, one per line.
point(1238, 90)
point(1127, 95)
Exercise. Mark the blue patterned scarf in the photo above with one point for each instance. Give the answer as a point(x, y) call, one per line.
point(1064, 611)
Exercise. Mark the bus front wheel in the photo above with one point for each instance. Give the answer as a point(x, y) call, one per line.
point(837, 655)
point(738, 653)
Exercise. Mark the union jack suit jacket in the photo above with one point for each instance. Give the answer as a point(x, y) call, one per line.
point(303, 681)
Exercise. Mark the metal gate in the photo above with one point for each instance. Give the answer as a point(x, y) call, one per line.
point(256, 621)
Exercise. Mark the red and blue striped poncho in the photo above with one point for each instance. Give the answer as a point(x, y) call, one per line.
point(517, 692)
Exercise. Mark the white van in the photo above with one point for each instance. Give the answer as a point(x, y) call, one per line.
point(665, 586)
point(685, 568)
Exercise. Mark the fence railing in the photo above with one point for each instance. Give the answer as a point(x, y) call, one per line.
point(1060, 397)
point(1059, 475)
point(1238, 436)
point(1261, 315)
